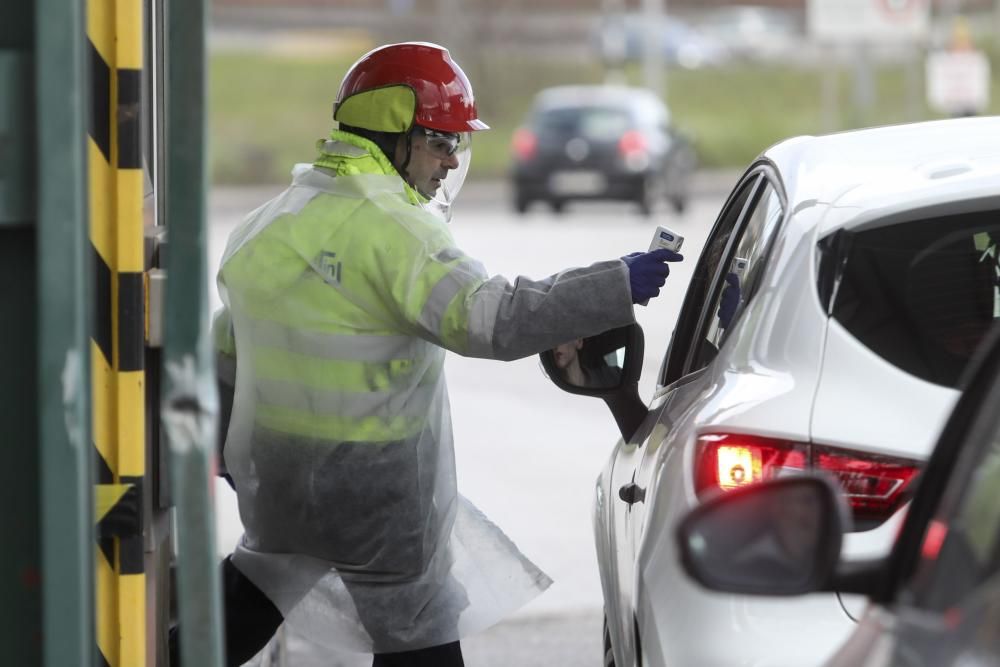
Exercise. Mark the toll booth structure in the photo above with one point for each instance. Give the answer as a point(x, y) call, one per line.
point(107, 399)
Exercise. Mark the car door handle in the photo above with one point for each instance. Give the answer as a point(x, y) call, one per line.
point(632, 493)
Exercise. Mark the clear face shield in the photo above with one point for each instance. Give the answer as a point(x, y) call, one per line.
point(442, 184)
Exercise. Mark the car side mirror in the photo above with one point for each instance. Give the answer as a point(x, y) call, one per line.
point(606, 366)
point(780, 537)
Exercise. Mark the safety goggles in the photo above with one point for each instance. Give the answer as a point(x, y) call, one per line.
point(443, 145)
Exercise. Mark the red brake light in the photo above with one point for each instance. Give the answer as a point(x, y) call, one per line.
point(525, 144)
point(632, 142)
point(933, 539)
point(737, 466)
point(727, 461)
point(875, 486)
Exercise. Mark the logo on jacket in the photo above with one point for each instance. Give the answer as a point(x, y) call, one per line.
point(330, 266)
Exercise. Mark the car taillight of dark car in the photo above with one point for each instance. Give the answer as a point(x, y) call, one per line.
point(524, 143)
point(875, 486)
point(633, 148)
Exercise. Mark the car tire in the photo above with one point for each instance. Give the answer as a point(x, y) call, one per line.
point(679, 203)
point(521, 204)
point(649, 191)
point(609, 654)
point(645, 202)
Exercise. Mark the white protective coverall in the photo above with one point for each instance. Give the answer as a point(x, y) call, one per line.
point(341, 296)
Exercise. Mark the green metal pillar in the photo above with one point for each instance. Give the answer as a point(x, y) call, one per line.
point(63, 405)
point(46, 602)
point(190, 404)
point(20, 567)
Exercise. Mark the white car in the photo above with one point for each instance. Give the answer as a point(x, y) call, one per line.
point(867, 266)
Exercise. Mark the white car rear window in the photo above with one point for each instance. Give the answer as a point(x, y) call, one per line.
point(922, 294)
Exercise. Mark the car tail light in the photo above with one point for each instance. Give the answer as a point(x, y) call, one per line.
point(525, 144)
point(632, 142)
point(933, 539)
point(875, 486)
point(727, 461)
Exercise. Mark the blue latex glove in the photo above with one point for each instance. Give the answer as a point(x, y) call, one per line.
point(730, 300)
point(647, 271)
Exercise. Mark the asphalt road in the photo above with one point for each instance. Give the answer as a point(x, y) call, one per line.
point(527, 454)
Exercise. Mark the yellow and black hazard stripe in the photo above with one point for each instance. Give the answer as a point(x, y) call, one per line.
point(115, 34)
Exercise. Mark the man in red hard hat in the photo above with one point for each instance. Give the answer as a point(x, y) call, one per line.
point(341, 297)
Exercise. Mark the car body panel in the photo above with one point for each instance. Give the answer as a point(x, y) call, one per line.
point(718, 630)
point(907, 429)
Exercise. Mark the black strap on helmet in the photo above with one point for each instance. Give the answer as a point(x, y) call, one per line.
point(409, 151)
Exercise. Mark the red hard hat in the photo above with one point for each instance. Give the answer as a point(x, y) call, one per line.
point(443, 95)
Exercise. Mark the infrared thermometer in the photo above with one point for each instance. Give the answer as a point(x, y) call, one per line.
point(664, 238)
point(739, 267)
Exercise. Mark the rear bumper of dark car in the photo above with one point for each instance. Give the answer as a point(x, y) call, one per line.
point(530, 185)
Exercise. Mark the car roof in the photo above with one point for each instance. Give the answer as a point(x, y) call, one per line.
point(875, 172)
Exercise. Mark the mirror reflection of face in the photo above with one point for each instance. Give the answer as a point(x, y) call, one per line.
point(784, 539)
point(567, 353)
point(567, 358)
point(581, 365)
point(429, 163)
point(796, 516)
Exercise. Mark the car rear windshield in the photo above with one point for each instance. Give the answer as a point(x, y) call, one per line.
point(921, 294)
point(595, 123)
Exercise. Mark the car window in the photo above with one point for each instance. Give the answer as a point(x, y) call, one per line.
point(593, 122)
point(746, 264)
point(959, 549)
point(740, 259)
point(922, 293)
point(688, 328)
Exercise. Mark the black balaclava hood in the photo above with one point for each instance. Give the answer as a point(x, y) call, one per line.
point(386, 141)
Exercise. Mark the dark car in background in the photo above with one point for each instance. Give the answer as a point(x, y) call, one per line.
point(600, 142)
